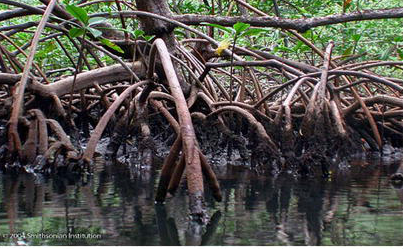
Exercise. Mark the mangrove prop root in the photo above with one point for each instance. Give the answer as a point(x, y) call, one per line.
point(96, 134)
point(146, 143)
point(314, 119)
point(168, 169)
point(118, 136)
point(31, 145)
point(210, 177)
point(172, 121)
point(177, 175)
point(18, 97)
point(295, 110)
point(43, 131)
point(189, 143)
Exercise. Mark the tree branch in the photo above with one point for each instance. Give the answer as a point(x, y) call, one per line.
point(300, 25)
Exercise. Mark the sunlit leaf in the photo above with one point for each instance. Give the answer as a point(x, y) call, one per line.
point(78, 13)
point(297, 46)
point(138, 33)
point(398, 39)
point(307, 34)
point(95, 32)
point(302, 10)
point(224, 44)
point(356, 37)
point(149, 37)
point(240, 27)
point(112, 45)
point(284, 49)
point(96, 20)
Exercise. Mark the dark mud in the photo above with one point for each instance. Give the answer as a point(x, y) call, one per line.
point(238, 147)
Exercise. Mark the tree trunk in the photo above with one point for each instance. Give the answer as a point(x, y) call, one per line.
point(161, 29)
point(154, 26)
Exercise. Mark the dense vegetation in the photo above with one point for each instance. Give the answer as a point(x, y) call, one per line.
point(284, 85)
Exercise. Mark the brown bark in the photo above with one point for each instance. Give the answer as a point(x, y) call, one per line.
point(160, 28)
point(154, 26)
point(59, 11)
point(96, 134)
point(14, 143)
point(189, 142)
point(87, 79)
point(168, 169)
point(301, 25)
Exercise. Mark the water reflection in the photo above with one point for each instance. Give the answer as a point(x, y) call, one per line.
point(360, 207)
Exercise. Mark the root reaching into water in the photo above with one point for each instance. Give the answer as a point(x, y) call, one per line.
point(281, 114)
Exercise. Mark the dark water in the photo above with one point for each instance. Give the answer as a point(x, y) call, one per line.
point(115, 207)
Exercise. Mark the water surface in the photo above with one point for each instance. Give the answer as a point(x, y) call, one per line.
point(115, 206)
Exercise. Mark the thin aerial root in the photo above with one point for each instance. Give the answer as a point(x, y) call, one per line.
point(177, 175)
point(168, 169)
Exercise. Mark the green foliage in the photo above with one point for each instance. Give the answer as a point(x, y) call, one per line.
point(237, 31)
point(138, 33)
point(194, 7)
point(374, 37)
point(88, 23)
point(111, 45)
point(82, 15)
point(76, 32)
point(228, 30)
point(379, 39)
point(78, 13)
point(239, 27)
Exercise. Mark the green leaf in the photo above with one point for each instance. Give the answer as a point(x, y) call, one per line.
point(240, 27)
point(254, 31)
point(302, 10)
point(348, 51)
point(307, 34)
point(149, 37)
point(298, 46)
point(400, 53)
point(76, 32)
point(179, 32)
point(95, 32)
point(111, 45)
point(96, 20)
point(356, 37)
point(78, 13)
point(398, 39)
point(138, 33)
point(228, 30)
point(386, 54)
point(284, 49)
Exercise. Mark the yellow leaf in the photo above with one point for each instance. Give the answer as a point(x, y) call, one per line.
point(347, 3)
point(224, 44)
